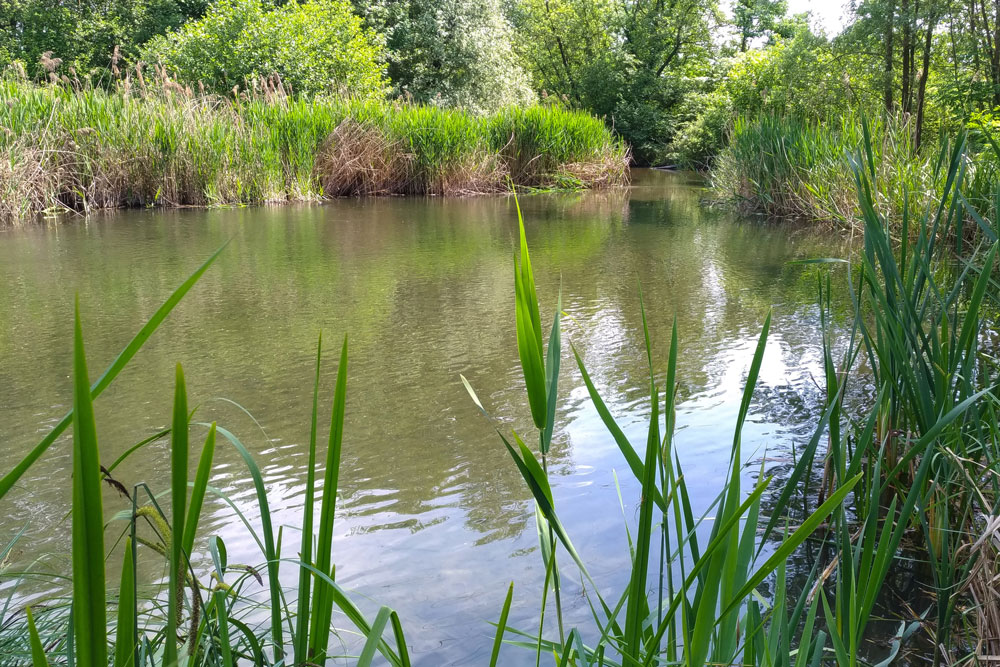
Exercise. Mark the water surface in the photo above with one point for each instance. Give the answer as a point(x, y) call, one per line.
point(433, 518)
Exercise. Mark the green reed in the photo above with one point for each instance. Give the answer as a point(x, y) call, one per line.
point(789, 167)
point(921, 459)
point(192, 620)
point(72, 147)
point(909, 473)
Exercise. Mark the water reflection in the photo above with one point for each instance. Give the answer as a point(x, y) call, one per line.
point(434, 519)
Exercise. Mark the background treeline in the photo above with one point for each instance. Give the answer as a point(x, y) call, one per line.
point(646, 66)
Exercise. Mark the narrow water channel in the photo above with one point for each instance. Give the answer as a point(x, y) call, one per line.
point(433, 520)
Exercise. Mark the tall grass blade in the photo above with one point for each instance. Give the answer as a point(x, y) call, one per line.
point(198, 490)
point(37, 650)
point(90, 620)
point(374, 636)
point(501, 626)
point(126, 627)
point(301, 646)
point(322, 609)
point(178, 503)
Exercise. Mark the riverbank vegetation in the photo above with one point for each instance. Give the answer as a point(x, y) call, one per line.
point(153, 142)
point(785, 119)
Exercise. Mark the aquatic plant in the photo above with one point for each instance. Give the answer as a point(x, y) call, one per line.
point(151, 142)
point(195, 617)
point(918, 459)
point(904, 472)
point(789, 167)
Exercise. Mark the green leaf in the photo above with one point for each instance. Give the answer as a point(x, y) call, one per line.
point(89, 618)
point(198, 492)
point(322, 610)
point(301, 642)
point(501, 626)
point(178, 503)
point(374, 637)
point(37, 652)
point(126, 629)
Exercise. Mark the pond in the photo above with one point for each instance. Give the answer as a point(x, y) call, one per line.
point(433, 518)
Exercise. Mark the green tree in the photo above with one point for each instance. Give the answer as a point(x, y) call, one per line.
point(316, 46)
point(631, 62)
point(757, 18)
point(84, 34)
point(456, 53)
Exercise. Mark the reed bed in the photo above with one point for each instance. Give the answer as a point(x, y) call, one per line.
point(788, 167)
point(67, 146)
point(905, 478)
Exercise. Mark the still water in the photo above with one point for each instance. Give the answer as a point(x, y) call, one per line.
point(433, 518)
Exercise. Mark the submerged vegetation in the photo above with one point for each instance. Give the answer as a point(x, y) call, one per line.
point(67, 146)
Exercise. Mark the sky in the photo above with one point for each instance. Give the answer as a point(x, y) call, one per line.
point(830, 14)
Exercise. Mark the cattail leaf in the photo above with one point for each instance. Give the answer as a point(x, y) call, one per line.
point(374, 637)
point(198, 491)
point(323, 597)
point(90, 620)
point(305, 550)
point(178, 503)
point(37, 651)
point(501, 626)
point(126, 628)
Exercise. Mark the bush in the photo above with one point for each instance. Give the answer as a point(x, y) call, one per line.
point(455, 53)
point(313, 47)
point(702, 138)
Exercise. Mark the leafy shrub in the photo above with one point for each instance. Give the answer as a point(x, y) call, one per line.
point(702, 138)
point(454, 53)
point(314, 46)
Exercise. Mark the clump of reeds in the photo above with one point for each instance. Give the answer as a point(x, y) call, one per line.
point(197, 618)
point(910, 470)
point(70, 146)
point(789, 167)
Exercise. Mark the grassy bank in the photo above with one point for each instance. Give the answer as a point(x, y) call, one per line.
point(70, 147)
point(786, 167)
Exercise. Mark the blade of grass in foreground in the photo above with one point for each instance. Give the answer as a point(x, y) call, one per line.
point(322, 609)
point(37, 652)
point(501, 626)
point(301, 641)
point(178, 501)
point(123, 358)
point(374, 636)
point(198, 491)
point(125, 631)
point(90, 620)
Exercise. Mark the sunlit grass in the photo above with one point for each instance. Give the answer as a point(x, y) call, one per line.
point(71, 147)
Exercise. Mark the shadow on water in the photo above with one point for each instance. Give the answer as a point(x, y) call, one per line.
point(434, 520)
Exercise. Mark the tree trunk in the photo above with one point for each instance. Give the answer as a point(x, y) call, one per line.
point(931, 21)
point(904, 96)
point(887, 82)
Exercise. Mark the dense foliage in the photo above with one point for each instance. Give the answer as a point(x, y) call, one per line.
point(156, 143)
point(314, 47)
point(668, 77)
